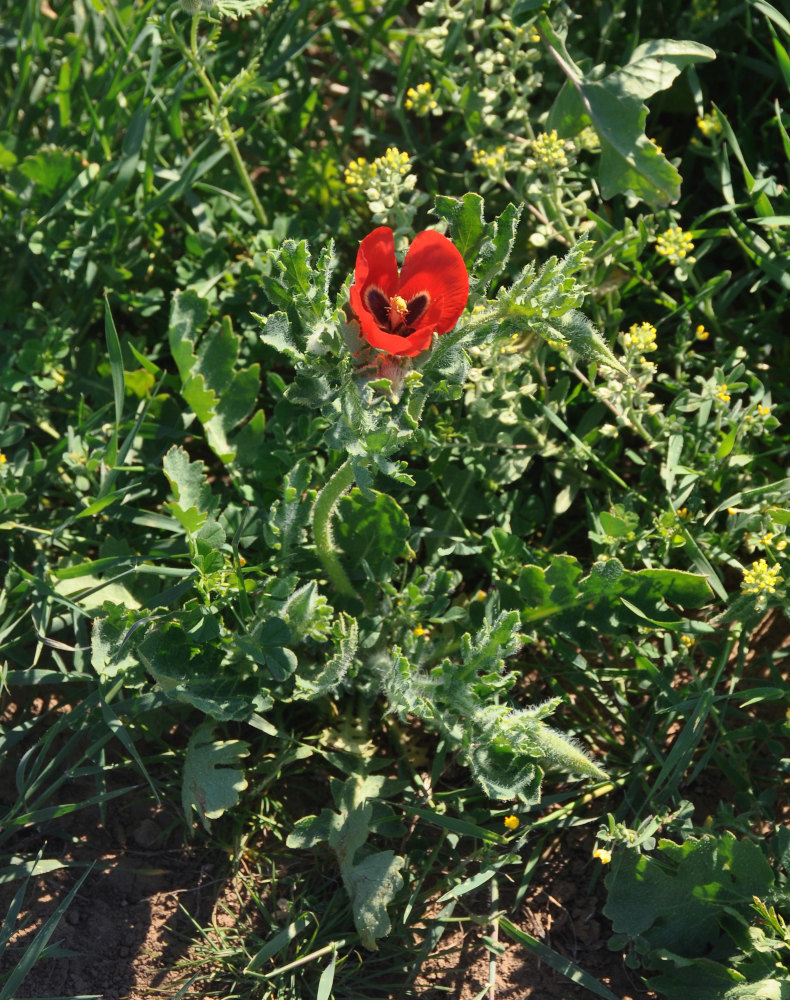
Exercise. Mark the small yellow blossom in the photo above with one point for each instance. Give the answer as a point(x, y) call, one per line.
point(603, 855)
point(3, 459)
point(393, 159)
point(684, 513)
point(688, 641)
point(658, 149)
point(481, 595)
point(708, 822)
point(588, 139)
point(493, 160)
point(761, 578)
point(763, 410)
point(548, 150)
point(709, 124)
point(722, 394)
point(420, 631)
point(511, 822)
point(675, 244)
point(780, 545)
point(701, 333)
point(420, 100)
point(242, 561)
point(359, 173)
point(732, 511)
point(642, 336)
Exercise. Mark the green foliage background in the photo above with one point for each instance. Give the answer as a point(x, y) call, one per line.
point(437, 590)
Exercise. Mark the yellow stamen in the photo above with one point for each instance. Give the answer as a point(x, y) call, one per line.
point(397, 311)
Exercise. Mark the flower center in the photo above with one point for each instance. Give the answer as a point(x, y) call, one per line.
point(393, 313)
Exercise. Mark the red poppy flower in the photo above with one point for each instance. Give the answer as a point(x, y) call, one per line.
point(400, 313)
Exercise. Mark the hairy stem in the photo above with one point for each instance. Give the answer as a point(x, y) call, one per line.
point(226, 135)
point(323, 511)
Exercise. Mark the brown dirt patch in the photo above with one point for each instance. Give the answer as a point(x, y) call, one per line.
point(128, 924)
point(563, 910)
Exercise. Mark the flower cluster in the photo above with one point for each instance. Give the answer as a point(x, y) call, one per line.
point(641, 337)
point(382, 181)
point(549, 152)
point(421, 101)
point(675, 244)
point(709, 124)
point(761, 579)
point(492, 161)
point(359, 174)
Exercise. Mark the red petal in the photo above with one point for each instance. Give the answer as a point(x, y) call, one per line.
point(434, 265)
point(369, 326)
point(376, 262)
point(406, 347)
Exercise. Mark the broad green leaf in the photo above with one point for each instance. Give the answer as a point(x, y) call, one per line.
point(615, 108)
point(654, 65)
point(467, 225)
point(188, 315)
point(220, 394)
point(375, 531)
point(193, 499)
point(212, 781)
point(372, 884)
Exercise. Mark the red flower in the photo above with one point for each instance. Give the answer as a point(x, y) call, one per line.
point(400, 313)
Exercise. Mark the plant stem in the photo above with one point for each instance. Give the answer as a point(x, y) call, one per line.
point(224, 130)
point(323, 510)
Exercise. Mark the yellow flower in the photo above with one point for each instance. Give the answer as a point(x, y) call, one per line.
point(722, 394)
point(493, 160)
point(688, 641)
point(701, 333)
point(763, 410)
point(603, 855)
point(394, 160)
point(420, 631)
point(675, 244)
point(548, 150)
point(732, 511)
point(359, 173)
point(642, 336)
point(709, 124)
point(420, 100)
point(3, 459)
point(511, 822)
point(761, 578)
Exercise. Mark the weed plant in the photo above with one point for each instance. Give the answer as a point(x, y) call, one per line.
point(386, 623)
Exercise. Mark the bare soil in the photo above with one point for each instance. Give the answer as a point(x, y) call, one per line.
point(131, 923)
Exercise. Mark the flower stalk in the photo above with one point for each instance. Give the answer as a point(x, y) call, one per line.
point(323, 511)
point(224, 131)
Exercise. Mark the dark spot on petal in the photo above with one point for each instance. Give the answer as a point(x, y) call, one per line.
point(415, 308)
point(378, 305)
